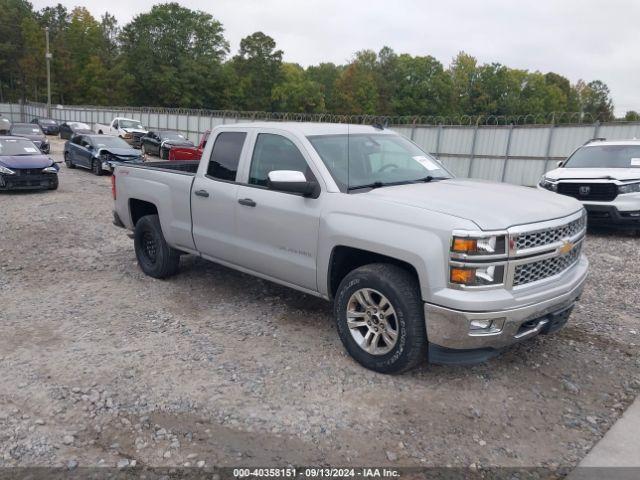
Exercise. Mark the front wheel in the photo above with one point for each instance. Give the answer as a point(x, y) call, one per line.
point(67, 160)
point(155, 257)
point(380, 318)
point(96, 166)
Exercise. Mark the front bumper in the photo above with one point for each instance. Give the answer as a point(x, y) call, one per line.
point(449, 333)
point(611, 216)
point(28, 182)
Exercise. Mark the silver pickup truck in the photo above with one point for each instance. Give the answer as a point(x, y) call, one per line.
point(417, 263)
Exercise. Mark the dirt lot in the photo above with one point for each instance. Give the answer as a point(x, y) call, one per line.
point(101, 365)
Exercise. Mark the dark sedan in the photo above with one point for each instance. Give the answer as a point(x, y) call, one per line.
point(24, 167)
point(97, 152)
point(48, 125)
point(160, 142)
point(33, 132)
point(69, 129)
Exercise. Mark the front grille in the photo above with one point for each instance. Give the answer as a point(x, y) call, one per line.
point(30, 172)
point(598, 192)
point(534, 271)
point(551, 235)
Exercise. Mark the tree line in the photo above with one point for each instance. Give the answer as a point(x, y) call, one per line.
point(172, 56)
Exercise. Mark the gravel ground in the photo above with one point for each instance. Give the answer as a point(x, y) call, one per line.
point(101, 365)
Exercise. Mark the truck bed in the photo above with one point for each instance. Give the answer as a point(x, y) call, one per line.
point(187, 167)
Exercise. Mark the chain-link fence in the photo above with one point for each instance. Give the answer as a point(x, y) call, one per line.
point(515, 149)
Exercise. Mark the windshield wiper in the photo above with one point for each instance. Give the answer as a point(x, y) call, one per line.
point(369, 185)
point(428, 179)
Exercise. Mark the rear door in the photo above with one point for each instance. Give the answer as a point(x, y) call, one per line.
point(213, 197)
point(277, 232)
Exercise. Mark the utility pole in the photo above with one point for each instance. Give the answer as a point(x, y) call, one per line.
point(48, 57)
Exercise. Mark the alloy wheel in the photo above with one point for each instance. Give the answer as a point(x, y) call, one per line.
point(372, 321)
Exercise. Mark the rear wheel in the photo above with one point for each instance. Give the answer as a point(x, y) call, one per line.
point(380, 318)
point(155, 257)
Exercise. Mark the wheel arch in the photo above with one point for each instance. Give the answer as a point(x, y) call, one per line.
point(140, 208)
point(345, 259)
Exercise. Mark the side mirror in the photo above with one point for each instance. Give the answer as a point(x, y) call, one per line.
point(560, 163)
point(293, 182)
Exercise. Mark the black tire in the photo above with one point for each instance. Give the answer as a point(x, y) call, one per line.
point(67, 161)
point(401, 288)
point(55, 185)
point(155, 257)
point(96, 167)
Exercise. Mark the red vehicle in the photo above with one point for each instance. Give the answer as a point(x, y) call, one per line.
point(189, 153)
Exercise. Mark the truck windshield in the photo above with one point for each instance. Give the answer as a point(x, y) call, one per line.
point(605, 156)
point(358, 161)
point(131, 124)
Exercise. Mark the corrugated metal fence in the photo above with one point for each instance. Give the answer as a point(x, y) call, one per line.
point(517, 154)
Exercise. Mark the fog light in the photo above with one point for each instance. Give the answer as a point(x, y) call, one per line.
point(486, 326)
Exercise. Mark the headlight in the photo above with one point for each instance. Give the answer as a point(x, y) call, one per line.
point(548, 184)
point(473, 245)
point(477, 275)
point(629, 188)
point(6, 171)
point(50, 170)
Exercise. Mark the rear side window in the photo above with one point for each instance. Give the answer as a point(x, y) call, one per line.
point(225, 155)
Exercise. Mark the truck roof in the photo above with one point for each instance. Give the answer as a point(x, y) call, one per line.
point(314, 128)
point(598, 143)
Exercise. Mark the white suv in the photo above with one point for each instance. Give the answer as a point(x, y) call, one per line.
point(605, 177)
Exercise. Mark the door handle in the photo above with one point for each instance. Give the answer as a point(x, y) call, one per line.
point(201, 193)
point(247, 202)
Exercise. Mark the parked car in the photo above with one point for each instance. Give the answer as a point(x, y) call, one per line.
point(605, 177)
point(161, 141)
point(48, 125)
point(126, 128)
point(69, 129)
point(189, 153)
point(24, 167)
point(363, 217)
point(98, 152)
point(33, 132)
point(5, 125)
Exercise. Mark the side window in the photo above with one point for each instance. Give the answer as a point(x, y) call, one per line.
point(275, 152)
point(115, 124)
point(77, 140)
point(225, 155)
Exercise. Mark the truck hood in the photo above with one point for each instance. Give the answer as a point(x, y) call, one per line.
point(490, 205)
point(26, 161)
point(622, 174)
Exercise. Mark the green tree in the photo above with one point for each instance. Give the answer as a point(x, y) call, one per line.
point(257, 67)
point(422, 88)
point(326, 75)
point(595, 99)
point(296, 92)
point(174, 57)
point(632, 116)
point(356, 90)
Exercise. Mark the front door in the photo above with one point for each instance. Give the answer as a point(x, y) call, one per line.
point(213, 199)
point(277, 232)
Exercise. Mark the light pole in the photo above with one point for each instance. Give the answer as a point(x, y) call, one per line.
point(48, 57)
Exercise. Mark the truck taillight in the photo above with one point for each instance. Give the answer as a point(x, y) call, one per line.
point(113, 185)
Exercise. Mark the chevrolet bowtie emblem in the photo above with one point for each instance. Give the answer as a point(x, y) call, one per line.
point(566, 247)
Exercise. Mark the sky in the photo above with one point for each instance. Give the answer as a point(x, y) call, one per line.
point(580, 39)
